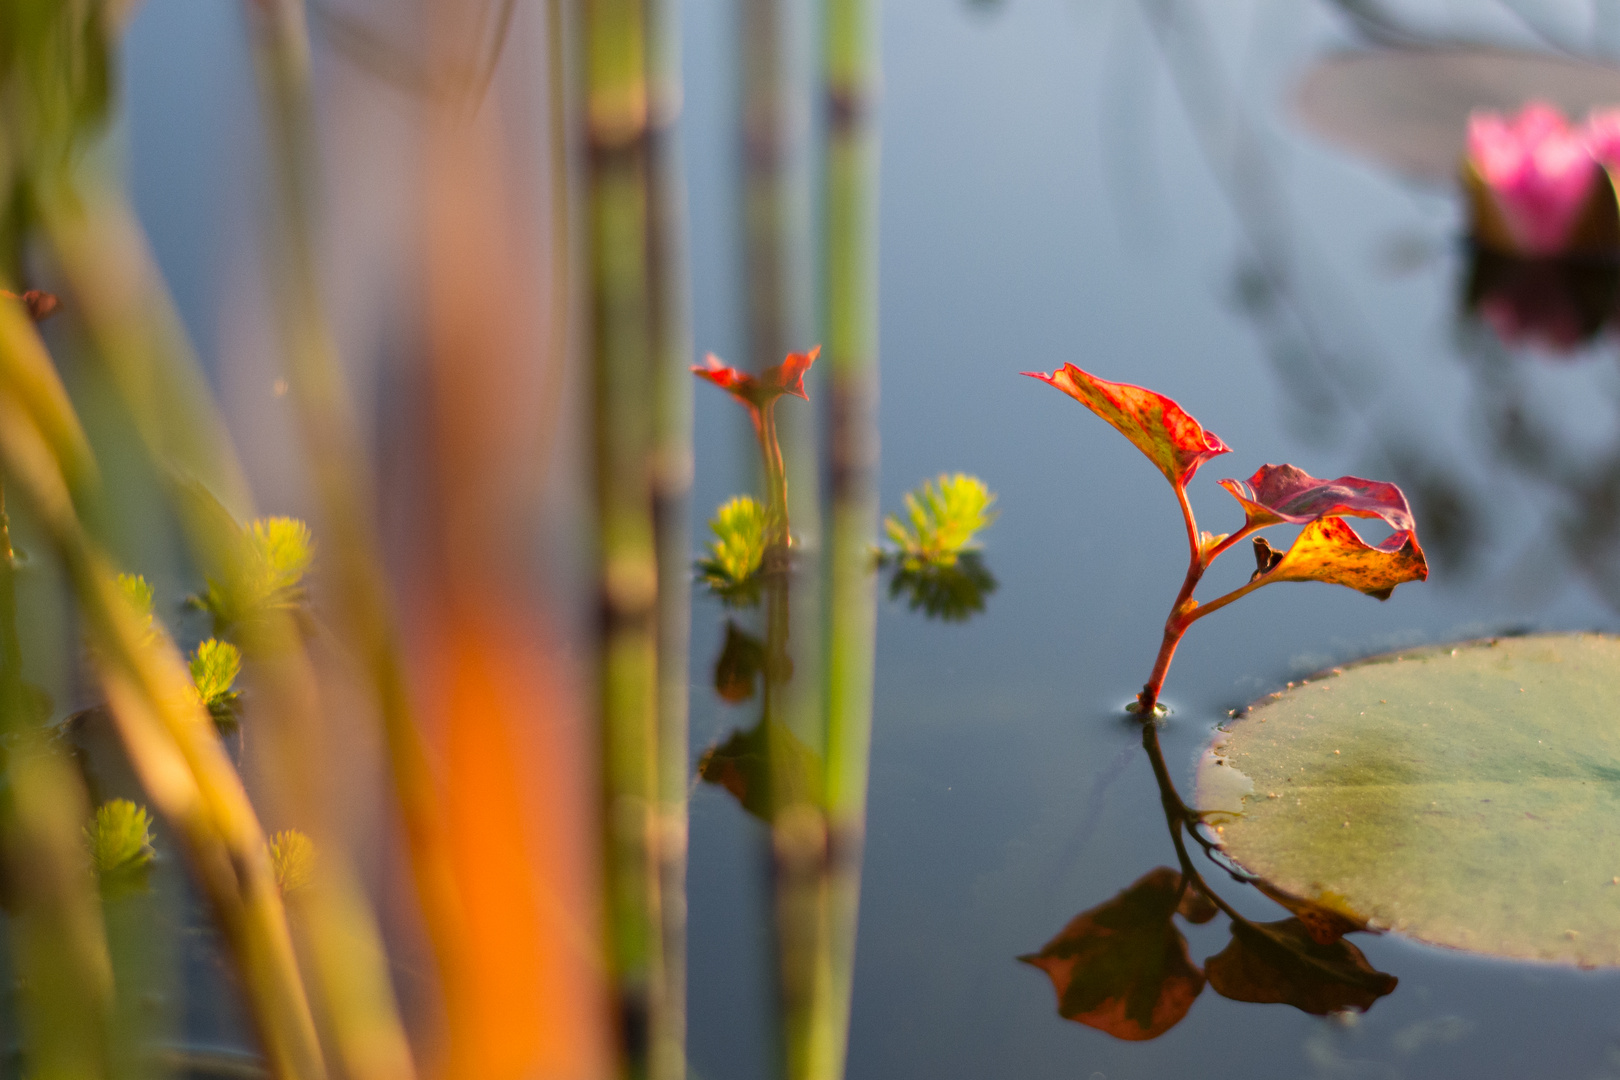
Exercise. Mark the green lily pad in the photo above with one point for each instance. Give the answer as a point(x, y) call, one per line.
point(1467, 795)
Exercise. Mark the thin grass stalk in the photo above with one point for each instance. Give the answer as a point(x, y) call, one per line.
point(169, 737)
point(342, 483)
point(852, 345)
point(117, 291)
point(619, 194)
point(59, 941)
point(670, 304)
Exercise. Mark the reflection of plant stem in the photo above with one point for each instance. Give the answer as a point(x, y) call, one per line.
point(1179, 817)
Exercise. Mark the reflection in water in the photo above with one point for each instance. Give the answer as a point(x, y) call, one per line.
point(800, 767)
point(1557, 306)
point(1554, 304)
point(948, 593)
point(1122, 967)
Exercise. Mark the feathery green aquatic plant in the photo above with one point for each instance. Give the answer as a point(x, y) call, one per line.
point(119, 838)
point(292, 856)
point(944, 516)
point(214, 667)
point(736, 552)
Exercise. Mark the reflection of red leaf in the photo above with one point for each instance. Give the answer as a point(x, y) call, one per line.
point(1329, 550)
point(1196, 907)
point(1326, 919)
point(1160, 428)
point(766, 768)
point(785, 378)
point(1280, 963)
point(737, 670)
point(1122, 967)
point(1278, 494)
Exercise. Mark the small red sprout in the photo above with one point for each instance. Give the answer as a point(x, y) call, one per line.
point(1327, 549)
point(759, 394)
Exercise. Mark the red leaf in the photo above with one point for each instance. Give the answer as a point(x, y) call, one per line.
point(1278, 494)
point(1328, 549)
point(1160, 428)
point(770, 384)
point(1122, 967)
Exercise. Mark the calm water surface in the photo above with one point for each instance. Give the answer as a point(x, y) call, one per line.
point(1049, 196)
point(1046, 197)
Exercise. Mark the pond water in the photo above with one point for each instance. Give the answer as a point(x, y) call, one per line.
point(1129, 188)
point(1048, 196)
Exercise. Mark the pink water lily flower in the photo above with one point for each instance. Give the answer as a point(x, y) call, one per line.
point(1602, 133)
point(1539, 169)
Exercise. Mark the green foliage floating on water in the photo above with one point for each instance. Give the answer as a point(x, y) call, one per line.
point(120, 843)
point(292, 856)
point(944, 516)
point(267, 574)
point(731, 570)
point(214, 667)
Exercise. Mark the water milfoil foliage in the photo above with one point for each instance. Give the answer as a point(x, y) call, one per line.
point(1326, 549)
point(936, 553)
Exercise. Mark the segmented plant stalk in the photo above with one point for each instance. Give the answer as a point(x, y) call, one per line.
point(619, 211)
point(851, 309)
point(670, 306)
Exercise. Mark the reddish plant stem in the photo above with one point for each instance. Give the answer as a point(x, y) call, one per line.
point(776, 512)
point(1185, 611)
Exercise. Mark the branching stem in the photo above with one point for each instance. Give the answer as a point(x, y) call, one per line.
point(1185, 611)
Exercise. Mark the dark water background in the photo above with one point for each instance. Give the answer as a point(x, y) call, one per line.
point(1048, 196)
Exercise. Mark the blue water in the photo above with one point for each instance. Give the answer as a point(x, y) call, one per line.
point(1060, 182)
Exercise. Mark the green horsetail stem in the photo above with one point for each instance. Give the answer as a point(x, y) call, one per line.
point(670, 309)
point(850, 60)
point(625, 350)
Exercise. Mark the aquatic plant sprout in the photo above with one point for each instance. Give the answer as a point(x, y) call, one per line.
point(759, 393)
point(944, 516)
point(736, 552)
point(119, 839)
point(1327, 549)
